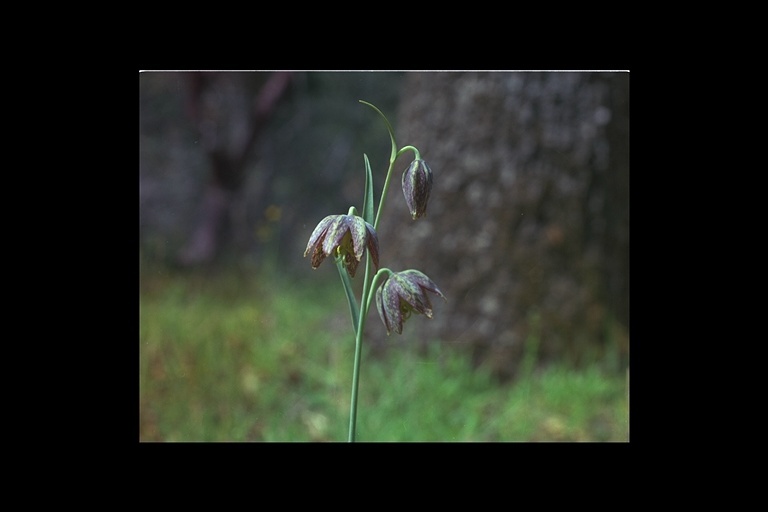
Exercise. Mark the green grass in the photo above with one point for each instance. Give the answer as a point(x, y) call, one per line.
point(257, 358)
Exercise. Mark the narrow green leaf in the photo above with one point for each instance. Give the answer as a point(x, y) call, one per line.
point(393, 155)
point(368, 196)
point(346, 281)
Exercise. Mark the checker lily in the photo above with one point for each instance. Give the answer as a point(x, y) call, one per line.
point(403, 293)
point(346, 236)
point(350, 237)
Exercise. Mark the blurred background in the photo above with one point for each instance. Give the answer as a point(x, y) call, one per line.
point(526, 234)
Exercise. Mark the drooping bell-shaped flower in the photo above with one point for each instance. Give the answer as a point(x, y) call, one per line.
point(345, 235)
point(402, 293)
point(417, 185)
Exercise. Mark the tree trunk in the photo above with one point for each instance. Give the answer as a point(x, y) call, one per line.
point(229, 116)
point(527, 228)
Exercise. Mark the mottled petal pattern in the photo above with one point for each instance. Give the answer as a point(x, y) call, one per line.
point(350, 263)
point(422, 280)
point(381, 310)
point(403, 293)
point(336, 231)
point(359, 235)
point(373, 245)
point(315, 244)
point(348, 236)
point(417, 186)
point(392, 306)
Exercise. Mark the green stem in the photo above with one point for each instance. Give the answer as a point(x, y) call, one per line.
point(383, 195)
point(354, 309)
point(366, 304)
point(382, 274)
point(358, 353)
point(416, 154)
point(356, 381)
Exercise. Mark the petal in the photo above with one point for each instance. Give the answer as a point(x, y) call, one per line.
point(336, 231)
point(316, 238)
point(407, 183)
point(422, 280)
point(380, 309)
point(392, 305)
point(350, 263)
point(318, 256)
point(424, 187)
point(416, 284)
point(373, 244)
point(414, 296)
point(357, 227)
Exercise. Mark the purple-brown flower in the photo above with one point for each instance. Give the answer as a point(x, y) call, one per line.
point(417, 185)
point(402, 293)
point(347, 236)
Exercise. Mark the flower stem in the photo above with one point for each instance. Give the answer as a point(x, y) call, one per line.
point(383, 195)
point(354, 309)
point(416, 154)
point(355, 384)
point(358, 352)
point(365, 304)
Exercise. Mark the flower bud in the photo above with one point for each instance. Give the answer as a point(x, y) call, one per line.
point(417, 184)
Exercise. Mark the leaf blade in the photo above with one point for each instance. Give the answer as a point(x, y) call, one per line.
point(368, 194)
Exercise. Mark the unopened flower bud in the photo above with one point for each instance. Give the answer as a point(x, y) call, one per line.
point(417, 184)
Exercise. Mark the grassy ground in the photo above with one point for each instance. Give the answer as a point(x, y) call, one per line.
point(236, 358)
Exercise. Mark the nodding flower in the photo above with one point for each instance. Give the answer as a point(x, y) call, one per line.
point(346, 236)
point(417, 184)
point(402, 293)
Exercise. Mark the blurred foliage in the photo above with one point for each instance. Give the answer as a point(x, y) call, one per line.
point(256, 355)
point(314, 141)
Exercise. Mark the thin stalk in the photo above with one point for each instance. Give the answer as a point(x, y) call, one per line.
point(365, 303)
point(416, 154)
point(358, 352)
point(383, 195)
point(356, 381)
point(354, 309)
